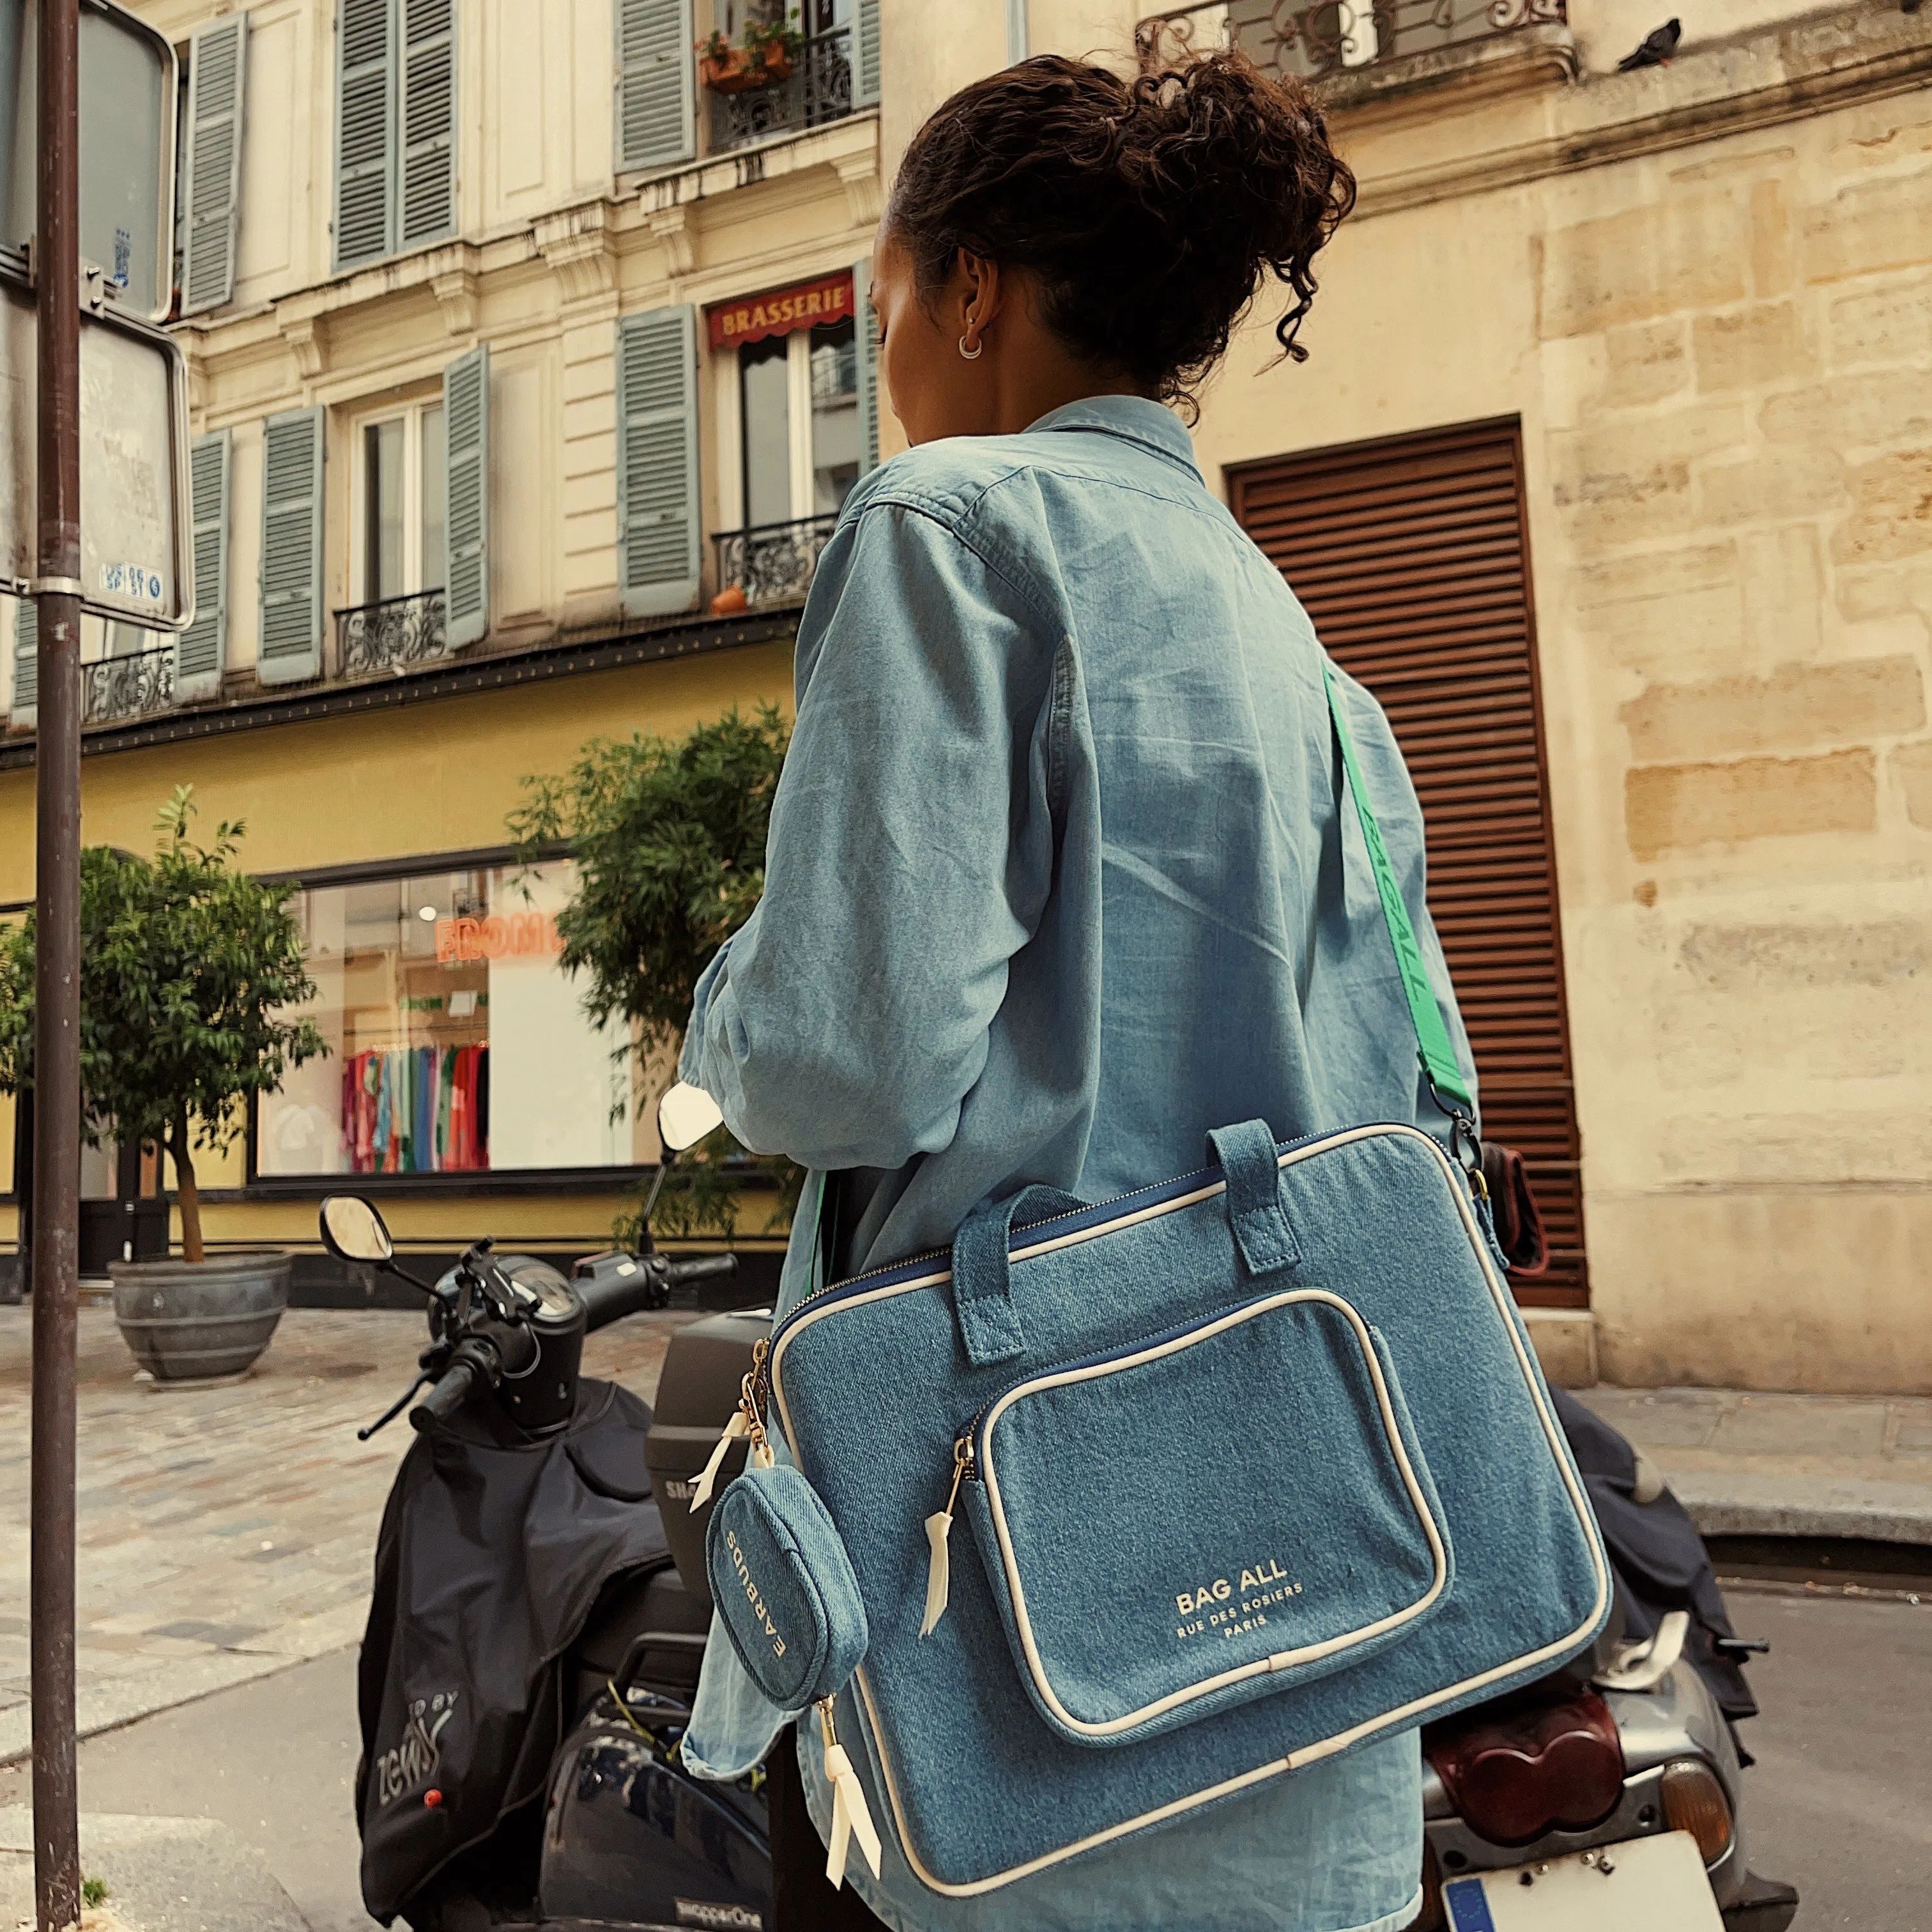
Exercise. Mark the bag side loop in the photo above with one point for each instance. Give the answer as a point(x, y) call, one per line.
point(1246, 1153)
point(982, 1281)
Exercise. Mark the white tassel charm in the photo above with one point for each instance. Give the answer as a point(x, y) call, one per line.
point(851, 1817)
point(735, 1431)
point(938, 1570)
point(938, 1532)
point(748, 1422)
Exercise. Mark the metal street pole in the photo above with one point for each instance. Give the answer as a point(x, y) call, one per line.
point(57, 969)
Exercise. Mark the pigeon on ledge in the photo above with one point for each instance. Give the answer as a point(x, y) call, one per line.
point(1656, 49)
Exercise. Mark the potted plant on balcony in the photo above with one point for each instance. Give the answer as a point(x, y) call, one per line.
point(769, 52)
point(189, 966)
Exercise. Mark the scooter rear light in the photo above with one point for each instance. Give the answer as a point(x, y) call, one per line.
point(1552, 1767)
point(1694, 1802)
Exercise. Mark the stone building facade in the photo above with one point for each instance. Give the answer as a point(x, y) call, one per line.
point(1660, 343)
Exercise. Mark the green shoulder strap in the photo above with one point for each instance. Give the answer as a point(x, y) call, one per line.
point(1432, 1037)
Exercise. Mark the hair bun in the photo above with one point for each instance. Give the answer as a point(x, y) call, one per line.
point(1149, 210)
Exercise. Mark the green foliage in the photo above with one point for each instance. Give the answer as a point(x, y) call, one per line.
point(93, 1893)
point(669, 842)
point(187, 966)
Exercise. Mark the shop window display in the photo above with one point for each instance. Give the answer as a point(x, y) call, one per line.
point(456, 1044)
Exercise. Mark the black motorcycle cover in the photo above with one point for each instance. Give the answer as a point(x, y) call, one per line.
point(492, 1552)
point(1658, 1553)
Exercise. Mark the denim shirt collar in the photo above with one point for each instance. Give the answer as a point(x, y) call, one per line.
point(1133, 419)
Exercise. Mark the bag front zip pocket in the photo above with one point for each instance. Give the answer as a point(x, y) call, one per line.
point(1155, 1558)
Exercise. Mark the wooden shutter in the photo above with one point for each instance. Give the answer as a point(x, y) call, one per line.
point(291, 639)
point(866, 56)
point(202, 649)
point(1411, 558)
point(428, 197)
point(25, 706)
point(656, 100)
point(657, 461)
point(217, 66)
point(465, 521)
point(865, 331)
point(365, 131)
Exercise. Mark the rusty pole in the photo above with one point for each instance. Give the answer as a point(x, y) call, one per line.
point(57, 968)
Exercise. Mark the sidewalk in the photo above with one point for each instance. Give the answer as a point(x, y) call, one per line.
point(224, 1533)
point(1785, 1465)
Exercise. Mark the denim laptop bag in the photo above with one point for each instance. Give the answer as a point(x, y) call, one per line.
point(1258, 1465)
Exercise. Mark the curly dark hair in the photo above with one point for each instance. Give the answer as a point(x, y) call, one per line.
point(1148, 210)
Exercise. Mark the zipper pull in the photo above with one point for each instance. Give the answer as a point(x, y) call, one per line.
point(938, 1529)
point(850, 1816)
point(735, 1431)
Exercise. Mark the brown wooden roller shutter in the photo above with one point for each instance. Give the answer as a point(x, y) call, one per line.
point(1412, 557)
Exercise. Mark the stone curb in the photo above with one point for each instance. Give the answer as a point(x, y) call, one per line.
point(163, 1874)
point(112, 1702)
point(1722, 1503)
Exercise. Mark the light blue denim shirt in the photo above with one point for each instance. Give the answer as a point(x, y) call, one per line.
point(1061, 875)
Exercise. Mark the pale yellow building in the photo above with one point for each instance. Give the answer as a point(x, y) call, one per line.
point(1611, 468)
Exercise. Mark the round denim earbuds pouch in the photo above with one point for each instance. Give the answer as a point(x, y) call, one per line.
point(783, 1584)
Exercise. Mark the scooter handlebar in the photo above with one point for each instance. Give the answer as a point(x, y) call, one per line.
point(468, 1374)
point(702, 1269)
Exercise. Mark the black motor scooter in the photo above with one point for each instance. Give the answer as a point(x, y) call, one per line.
point(535, 1634)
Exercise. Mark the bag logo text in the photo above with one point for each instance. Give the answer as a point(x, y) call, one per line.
point(753, 1595)
point(1230, 1606)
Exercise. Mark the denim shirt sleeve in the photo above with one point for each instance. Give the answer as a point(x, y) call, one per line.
point(909, 856)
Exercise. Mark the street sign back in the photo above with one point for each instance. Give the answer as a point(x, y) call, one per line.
point(127, 84)
point(135, 531)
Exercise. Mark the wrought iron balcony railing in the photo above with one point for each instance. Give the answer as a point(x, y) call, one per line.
point(1333, 36)
point(772, 563)
point(818, 89)
point(393, 635)
point(131, 686)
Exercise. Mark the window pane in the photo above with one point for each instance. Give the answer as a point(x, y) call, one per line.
point(765, 402)
point(835, 415)
point(383, 490)
point(454, 1043)
point(435, 572)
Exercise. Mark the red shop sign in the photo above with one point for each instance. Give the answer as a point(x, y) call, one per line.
point(782, 311)
point(517, 935)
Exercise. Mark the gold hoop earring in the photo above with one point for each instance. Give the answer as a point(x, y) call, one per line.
point(972, 354)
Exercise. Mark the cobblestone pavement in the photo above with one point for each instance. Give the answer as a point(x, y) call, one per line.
point(224, 1532)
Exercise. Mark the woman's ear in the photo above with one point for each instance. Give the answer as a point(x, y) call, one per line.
point(978, 282)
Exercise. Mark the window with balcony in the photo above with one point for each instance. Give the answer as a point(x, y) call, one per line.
point(767, 68)
point(795, 389)
point(396, 565)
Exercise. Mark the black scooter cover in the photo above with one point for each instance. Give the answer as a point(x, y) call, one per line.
point(492, 1552)
point(1656, 1552)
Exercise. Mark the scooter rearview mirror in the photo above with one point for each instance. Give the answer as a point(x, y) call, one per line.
point(352, 1231)
point(686, 1115)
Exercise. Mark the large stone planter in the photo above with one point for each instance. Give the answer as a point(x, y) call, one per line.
point(188, 1320)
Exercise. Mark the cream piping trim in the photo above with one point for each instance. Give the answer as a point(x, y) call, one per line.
point(1285, 1659)
point(1323, 1747)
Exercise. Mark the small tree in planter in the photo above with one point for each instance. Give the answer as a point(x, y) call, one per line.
point(187, 967)
point(669, 842)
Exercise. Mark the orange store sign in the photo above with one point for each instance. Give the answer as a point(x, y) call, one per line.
point(781, 312)
point(516, 935)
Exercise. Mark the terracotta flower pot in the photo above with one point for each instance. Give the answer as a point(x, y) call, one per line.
point(190, 1321)
point(737, 73)
point(729, 602)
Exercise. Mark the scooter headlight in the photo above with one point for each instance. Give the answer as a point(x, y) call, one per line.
point(1694, 1802)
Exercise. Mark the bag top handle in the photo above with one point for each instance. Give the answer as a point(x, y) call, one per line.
point(1439, 1063)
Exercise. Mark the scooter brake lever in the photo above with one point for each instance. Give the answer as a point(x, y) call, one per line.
point(394, 1409)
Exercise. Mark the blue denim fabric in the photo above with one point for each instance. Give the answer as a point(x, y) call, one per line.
point(1056, 883)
